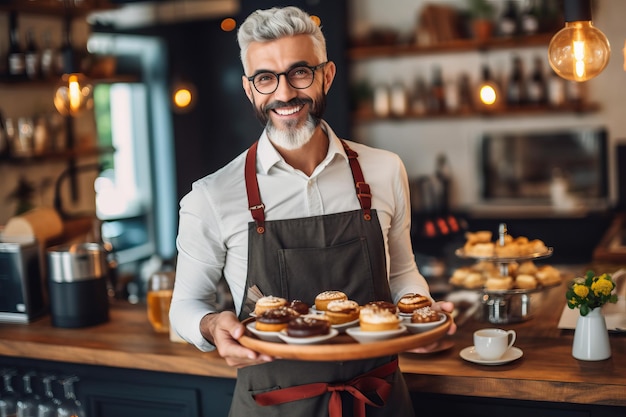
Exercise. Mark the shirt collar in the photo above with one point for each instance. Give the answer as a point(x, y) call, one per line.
point(268, 156)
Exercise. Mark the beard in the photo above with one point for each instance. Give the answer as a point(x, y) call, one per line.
point(293, 135)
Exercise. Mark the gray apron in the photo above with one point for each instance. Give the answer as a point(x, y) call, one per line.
point(297, 259)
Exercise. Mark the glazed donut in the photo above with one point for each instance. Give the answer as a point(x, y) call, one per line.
point(374, 319)
point(411, 301)
point(323, 298)
point(307, 326)
point(267, 303)
point(342, 311)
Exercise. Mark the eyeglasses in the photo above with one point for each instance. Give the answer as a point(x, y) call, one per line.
point(299, 77)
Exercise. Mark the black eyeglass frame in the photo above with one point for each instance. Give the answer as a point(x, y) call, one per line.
point(313, 68)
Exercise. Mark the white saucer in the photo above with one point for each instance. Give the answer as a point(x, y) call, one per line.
point(470, 355)
point(267, 336)
point(422, 327)
point(307, 340)
point(344, 326)
point(369, 337)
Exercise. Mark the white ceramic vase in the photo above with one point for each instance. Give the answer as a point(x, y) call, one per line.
point(591, 337)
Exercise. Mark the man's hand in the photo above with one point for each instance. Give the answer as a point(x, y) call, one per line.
point(223, 330)
point(448, 307)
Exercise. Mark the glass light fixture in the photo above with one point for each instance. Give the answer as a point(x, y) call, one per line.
point(183, 96)
point(488, 92)
point(74, 94)
point(579, 51)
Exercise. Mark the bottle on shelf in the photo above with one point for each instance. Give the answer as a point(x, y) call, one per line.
point(32, 57)
point(382, 101)
point(419, 97)
point(16, 62)
point(398, 100)
point(437, 96)
point(516, 87)
point(508, 22)
point(537, 87)
point(49, 58)
point(529, 18)
point(556, 90)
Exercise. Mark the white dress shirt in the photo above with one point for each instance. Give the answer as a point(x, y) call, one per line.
point(213, 230)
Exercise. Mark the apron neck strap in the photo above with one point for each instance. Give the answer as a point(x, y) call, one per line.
point(255, 205)
point(362, 188)
point(257, 208)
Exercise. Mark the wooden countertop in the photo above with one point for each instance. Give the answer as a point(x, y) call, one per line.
point(546, 372)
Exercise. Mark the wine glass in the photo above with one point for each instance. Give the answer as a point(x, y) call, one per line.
point(8, 397)
point(28, 401)
point(49, 403)
point(70, 406)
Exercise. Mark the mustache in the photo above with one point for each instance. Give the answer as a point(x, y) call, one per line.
point(297, 101)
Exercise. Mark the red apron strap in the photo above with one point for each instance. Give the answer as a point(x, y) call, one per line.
point(257, 208)
point(368, 389)
point(362, 188)
point(255, 205)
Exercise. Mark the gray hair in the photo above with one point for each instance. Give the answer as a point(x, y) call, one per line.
point(275, 23)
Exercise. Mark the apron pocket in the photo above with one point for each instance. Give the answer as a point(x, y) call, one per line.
point(344, 267)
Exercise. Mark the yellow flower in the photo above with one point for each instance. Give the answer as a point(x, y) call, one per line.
point(602, 287)
point(581, 290)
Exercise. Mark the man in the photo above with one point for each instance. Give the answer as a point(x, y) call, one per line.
point(299, 213)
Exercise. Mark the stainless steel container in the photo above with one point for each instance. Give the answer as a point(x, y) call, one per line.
point(78, 275)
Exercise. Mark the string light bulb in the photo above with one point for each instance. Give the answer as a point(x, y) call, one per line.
point(74, 94)
point(488, 93)
point(579, 51)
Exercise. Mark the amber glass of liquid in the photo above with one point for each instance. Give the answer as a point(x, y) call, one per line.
point(159, 297)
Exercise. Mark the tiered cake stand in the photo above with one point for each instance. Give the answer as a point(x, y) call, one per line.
point(506, 306)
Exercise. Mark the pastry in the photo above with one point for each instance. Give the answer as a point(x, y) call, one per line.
point(480, 249)
point(300, 306)
point(527, 268)
point(525, 281)
point(499, 283)
point(323, 298)
point(424, 315)
point(508, 250)
point(459, 275)
point(276, 319)
point(548, 275)
point(481, 236)
point(410, 302)
point(374, 319)
point(385, 305)
point(308, 326)
point(342, 311)
point(474, 280)
point(267, 303)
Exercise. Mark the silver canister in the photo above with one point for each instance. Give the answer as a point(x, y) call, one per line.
point(78, 284)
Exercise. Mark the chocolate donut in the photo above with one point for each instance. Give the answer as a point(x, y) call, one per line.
point(383, 305)
point(300, 306)
point(276, 319)
point(424, 315)
point(307, 326)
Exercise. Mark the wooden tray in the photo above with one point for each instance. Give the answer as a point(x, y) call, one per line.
point(343, 347)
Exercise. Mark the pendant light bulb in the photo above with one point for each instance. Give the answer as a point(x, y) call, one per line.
point(73, 94)
point(579, 51)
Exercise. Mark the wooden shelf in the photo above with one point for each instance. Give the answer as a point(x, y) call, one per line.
point(460, 45)
point(56, 156)
point(55, 8)
point(366, 114)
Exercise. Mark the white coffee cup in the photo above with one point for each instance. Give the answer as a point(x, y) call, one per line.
point(491, 344)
